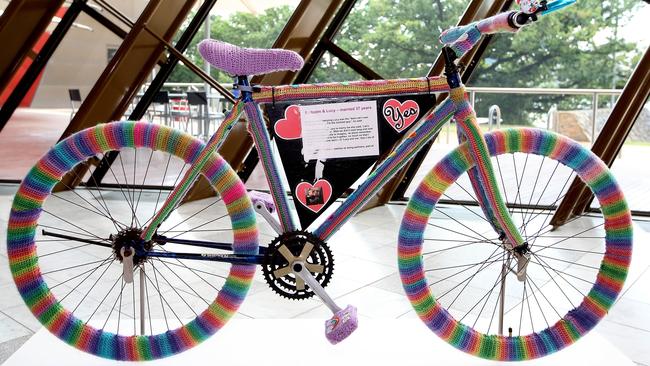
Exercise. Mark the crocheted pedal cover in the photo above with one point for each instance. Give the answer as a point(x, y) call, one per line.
point(575, 323)
point(23, 259)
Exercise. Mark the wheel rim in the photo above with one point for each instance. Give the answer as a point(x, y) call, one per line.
point(42, 289)
point(439, 308)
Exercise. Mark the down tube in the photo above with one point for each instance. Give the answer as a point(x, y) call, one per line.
point(263, 143)
point(387, 169)
point(181, 189)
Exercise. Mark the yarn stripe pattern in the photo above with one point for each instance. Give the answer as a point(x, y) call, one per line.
point(363, 88)
point(463, 38)
point(260, 133)
point(23, 259)
point(189, 178)
point(482, 175)
point(609, 281)
point(387, 169)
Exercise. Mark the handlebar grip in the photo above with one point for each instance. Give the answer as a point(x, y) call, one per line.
point(462, 39)
point(500, 23)
point(557, 5)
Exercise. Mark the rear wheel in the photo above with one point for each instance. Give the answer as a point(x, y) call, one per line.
point(66, 247)
point(461, 278)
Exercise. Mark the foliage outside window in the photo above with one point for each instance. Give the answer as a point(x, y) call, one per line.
point(578, 47)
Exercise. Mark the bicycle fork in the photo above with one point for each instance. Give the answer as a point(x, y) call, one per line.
point(482, 174)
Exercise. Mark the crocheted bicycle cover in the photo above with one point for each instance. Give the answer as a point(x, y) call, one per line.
point(577, 322)
point(482, 175)
point(248, 61)
point(23, 260)
point(463, 38)
point(258, 130)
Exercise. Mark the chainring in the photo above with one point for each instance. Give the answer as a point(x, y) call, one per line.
point(274, 261)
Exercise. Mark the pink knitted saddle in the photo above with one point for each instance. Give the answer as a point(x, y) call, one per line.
point(248, 61)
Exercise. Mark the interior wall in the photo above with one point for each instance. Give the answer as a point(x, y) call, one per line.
point(81, 57)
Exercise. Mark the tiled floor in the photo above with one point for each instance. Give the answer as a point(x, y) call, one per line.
point(366, 276)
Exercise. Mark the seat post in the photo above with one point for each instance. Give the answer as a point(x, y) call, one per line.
point(244, 88)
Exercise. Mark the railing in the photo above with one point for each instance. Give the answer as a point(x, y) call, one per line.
point(595, 95)
point(473, 91)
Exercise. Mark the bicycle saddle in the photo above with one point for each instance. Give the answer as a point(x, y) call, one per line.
point(248, 61)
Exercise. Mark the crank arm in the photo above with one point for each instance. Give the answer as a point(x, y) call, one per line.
point(268, 216)
point(343, 322)
point(299, 269)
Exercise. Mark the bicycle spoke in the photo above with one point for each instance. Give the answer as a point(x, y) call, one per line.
point(76, 266)
point(155, 209)
point(104, 298)
point(464, 244)
point(71, 224)
point(559, 273)
point(186, 284)
point(146, 294)
point(174, 289)
point(465, 270)
point(157, 287)
point(91, 288)
point(118, 297)
point(191, 216)
point(199, 226)
point(88, 276)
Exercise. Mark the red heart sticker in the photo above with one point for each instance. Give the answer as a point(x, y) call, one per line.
point(289, 128)
point(400, 115)
point(314, 196)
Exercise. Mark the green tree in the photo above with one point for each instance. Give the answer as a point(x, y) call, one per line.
point(395, 38)
point(573, 48)
point(577, 47)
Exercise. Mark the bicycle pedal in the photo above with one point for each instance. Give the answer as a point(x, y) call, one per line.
point(343, 323)
point(262, 198)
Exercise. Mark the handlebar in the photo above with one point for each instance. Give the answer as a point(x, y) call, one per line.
point(463, 38)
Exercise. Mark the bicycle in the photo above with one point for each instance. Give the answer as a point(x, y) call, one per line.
point(174, 262)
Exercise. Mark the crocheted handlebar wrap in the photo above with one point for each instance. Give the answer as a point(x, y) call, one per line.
point(463, 38)
point(248, 61)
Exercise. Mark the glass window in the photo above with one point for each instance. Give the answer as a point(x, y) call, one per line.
point(397, 38)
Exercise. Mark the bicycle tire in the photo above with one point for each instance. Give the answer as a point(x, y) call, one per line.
point(608, 281)
point(27, 208)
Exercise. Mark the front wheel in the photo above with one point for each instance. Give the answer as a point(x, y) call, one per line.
point(461, 278)
point(65, 246)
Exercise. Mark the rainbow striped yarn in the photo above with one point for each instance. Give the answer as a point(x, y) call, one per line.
point(23, 259)
point(184, 186)
point(461, 39)
point(482, 174)
point(404, 152)
point(260, 134)
point(577, 322)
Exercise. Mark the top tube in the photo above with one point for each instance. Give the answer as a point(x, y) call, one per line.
point(362, 88)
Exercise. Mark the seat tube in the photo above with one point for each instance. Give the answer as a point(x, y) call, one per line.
point(260, 134)
point(486, 182)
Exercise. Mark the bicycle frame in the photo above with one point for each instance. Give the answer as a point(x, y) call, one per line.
point(423, 131)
